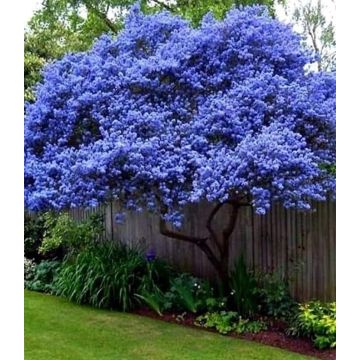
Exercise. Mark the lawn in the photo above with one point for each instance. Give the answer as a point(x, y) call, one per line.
point(58, 329)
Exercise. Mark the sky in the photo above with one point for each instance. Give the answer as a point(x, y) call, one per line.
point(30, 6)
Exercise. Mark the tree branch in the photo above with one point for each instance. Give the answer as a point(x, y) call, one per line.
point(200, 242)
point(102, 16)
point(167, 7)
point(164, 230)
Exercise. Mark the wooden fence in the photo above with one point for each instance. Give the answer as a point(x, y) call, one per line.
point(300, 245)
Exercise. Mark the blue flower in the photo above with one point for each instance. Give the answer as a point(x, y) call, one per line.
point(150, 255)
point(165, 115)
point(119, 218)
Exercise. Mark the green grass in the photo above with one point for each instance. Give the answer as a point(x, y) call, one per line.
point(58, 329)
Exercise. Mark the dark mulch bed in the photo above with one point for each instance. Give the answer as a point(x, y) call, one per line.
point(274, 336)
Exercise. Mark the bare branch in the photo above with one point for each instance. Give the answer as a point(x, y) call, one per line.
point(164, 230)
point(167, 7)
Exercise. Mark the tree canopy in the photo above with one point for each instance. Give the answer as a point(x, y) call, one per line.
point(166, 115)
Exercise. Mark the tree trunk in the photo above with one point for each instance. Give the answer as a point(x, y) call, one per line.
point(218, 252)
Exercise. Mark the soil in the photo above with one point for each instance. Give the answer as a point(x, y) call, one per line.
point(274, 336)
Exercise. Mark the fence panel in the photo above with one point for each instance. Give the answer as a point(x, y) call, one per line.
point(301, 245)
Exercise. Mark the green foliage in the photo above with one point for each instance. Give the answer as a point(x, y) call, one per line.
point(317, 321)
point(156, 278)
point(64, 232)
point(32, 66)
point(274, 296)
point(43, 276)
point(243, 285)
point(330, 169)
point(34, 228)
point(184, 293)
point(248, 326)
point(107, 275)
point(189, 293)
point(227, 321)
point(154, 299)
point(194, 11)
point(223, 321)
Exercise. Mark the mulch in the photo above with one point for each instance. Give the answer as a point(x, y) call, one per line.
point(274, 336)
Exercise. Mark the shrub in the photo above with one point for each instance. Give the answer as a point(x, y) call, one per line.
point(43, 277)
point(243, 285)
point(274, 297)
point(317, 321)
point(34, 228)
point(62, 232)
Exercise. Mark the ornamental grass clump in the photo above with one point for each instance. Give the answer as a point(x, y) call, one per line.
point(103, 275)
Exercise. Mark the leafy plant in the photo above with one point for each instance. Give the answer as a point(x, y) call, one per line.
point(317, 321)
point(215, 303)
point(44, 276)
point(189, 293)
point(243, 285)
point(156, 278)
point(274, 296)
point(64, 232)
point(248, 326)
point(223, 321)
point(155, 300)
point(227, 321)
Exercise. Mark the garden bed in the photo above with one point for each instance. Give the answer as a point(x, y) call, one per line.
point(274, 336)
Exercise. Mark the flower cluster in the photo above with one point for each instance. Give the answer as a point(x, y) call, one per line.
point(165, 114)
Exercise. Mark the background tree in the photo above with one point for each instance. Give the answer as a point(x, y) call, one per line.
point(318, 30)
point(166, 115)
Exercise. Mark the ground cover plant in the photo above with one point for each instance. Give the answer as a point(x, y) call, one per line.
point(42, 276)
point(87, 333)
point(165, 115)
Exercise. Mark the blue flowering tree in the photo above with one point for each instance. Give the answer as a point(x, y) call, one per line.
point(165, 115)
